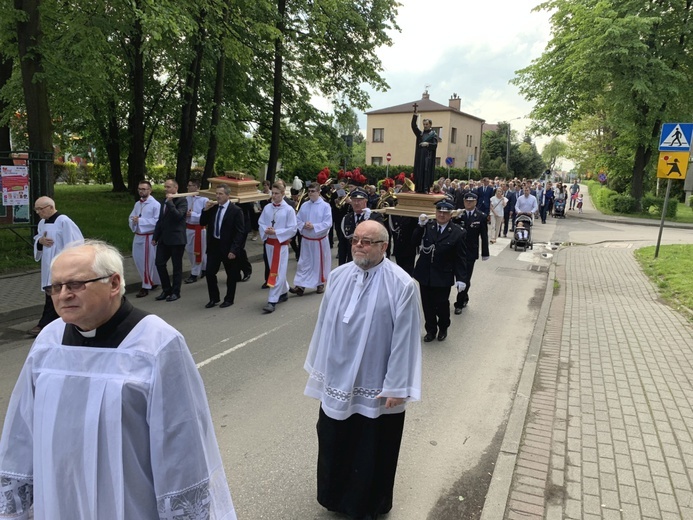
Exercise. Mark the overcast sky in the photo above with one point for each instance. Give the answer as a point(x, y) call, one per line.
point(464, 47)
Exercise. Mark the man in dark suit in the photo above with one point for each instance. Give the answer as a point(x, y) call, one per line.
point(225, 240)
point(170, 239)
point(484, 194)
point(509, 210)
point(475, 223)
point(442, 263)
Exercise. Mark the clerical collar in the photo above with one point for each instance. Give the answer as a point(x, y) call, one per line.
point(52, 218)
point(372, 270)
point(109, 335)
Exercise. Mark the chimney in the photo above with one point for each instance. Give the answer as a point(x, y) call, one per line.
point(455, 102)
point(425, 95)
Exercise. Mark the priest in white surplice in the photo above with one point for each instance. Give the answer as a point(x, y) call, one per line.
point(364, 364)
point(109, 418)
point(55, 231)
point(142, 223)
point(314, 221)
point(277, 225)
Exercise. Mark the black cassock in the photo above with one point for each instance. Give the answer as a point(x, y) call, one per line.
point(424, 157)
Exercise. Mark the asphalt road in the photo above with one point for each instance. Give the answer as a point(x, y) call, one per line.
point(252, 367)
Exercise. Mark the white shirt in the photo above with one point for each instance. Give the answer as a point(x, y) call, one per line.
point(526, 204)
point(367, 342)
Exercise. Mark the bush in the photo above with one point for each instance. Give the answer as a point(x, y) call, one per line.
point(158, 174)
point(604, 196)
point(622, 203)
point(654, 205)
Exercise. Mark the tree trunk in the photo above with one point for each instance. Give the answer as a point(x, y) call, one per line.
point(189, 112)
point(39, 124)
point(214, 123)
point(643, 154)
point(5, 144)
point(136, 167)
point(113, 149)
point(277, 95)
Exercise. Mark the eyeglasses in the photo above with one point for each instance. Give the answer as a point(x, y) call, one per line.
point(365, 242)
point(39, 208)
point(76, 286)
point(312, 191)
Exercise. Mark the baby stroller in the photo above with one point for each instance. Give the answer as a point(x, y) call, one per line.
point(522, 237)
point(559, 208)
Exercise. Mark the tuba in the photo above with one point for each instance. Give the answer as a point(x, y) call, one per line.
point(383, 200)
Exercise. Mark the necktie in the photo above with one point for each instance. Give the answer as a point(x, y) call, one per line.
point(440, 230)
point(359, 218)
point(217, 225)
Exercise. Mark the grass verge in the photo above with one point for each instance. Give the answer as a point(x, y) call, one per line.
point(97, 211)
point(671, 273)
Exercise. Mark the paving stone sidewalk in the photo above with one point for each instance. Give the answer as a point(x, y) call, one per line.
point(609, 428)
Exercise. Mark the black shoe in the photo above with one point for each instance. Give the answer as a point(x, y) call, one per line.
point(225, 304)
point(265, 286)
point(202, 274)
point(458, 310)
point(172, 298)
point(162, 296)
point(190, 279)
point(297, 290)
point(268, 308)
point(246, 277)
point(429, 337)
point(211, 303)
point(143, 292)
point(442, 335)
point(283, 298)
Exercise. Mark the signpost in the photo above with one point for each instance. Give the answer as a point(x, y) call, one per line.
point(388, 158)
point(674, 154)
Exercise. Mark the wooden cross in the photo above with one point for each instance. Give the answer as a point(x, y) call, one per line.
point(415, 105)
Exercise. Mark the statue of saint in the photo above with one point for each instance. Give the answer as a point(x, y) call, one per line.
point(425, 155)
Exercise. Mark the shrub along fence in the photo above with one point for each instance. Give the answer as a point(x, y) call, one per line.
point(608, 200)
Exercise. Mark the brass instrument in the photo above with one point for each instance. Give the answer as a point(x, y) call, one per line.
point(327, 195)
point(382, 201)
point(339, 203)
point(301, 198)
point(409, 184)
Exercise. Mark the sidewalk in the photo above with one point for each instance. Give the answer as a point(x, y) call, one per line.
point(22, 296)
point(602, 422)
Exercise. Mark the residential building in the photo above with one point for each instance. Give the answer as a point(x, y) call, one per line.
point(389, 131)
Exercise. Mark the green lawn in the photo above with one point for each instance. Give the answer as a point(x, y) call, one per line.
point(671, 273)
point(97, 211)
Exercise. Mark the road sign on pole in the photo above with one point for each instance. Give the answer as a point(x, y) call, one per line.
point(388, 157)
point(676, 137)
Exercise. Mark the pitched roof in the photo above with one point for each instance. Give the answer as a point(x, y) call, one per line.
point(424, 105)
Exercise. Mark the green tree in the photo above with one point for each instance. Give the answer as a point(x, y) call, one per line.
point(630, 58)
point(554, 150)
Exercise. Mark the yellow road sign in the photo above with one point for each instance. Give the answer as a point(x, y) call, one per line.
point(672, 165)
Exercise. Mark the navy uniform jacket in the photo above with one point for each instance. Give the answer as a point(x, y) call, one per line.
point(442, 259)
point(349, 222)
point(477, 228)
point(170, 228)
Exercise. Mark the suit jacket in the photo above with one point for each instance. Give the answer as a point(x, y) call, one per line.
point(170, 228)
point(477, 228)
point(511, 195)
point(484, 193)
point(232, 233)
point(442, 259)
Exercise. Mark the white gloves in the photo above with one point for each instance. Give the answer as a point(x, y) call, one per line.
point(461, 286)
point(425, 145)
point(423, 219)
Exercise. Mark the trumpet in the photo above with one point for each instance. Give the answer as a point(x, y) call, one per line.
point(382, 201)
point(339, 203)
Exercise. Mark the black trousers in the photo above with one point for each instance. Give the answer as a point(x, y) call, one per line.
point(463, 297)
point(506, 221)
point(49, 313)
point(244, 264)
point(344, 250)
point(165, 252)
point(357, 462)
point(232, 268)
point(436, 306)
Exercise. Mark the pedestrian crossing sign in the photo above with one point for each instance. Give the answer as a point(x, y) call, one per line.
point(672, 165)
point(676, 137)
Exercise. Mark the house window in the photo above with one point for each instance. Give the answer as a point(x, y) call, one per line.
point(378, 135)
point(378, 161)
point(453, 135)
point(437, 161)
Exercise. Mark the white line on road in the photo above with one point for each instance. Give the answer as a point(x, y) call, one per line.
point(235, 347)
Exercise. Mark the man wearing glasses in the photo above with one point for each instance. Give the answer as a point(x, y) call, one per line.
point(55, 231)
point(364, 364)
point(142, 222)
point(314, 221)
point(442, 263)
point(109, 417)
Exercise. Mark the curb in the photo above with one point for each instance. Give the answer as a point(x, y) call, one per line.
point(501, 480)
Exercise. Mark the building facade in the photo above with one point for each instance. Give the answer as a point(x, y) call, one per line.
point(389, 132)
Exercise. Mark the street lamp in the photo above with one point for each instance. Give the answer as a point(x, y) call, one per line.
point(507, 145)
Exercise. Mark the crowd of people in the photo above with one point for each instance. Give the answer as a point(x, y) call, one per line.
point(363, 362)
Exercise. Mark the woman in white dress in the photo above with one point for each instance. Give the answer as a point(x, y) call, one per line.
point(498, 202)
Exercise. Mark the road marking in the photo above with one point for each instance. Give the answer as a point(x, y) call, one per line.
point(235, 347)
point(499, 246)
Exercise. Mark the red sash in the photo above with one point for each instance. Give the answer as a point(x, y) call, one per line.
point(276, 253)
point(197, 241)
point(146, 276)
point(322, 265)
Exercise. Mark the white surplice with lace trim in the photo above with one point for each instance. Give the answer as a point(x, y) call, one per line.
point(112, 433)
point(366, 343)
